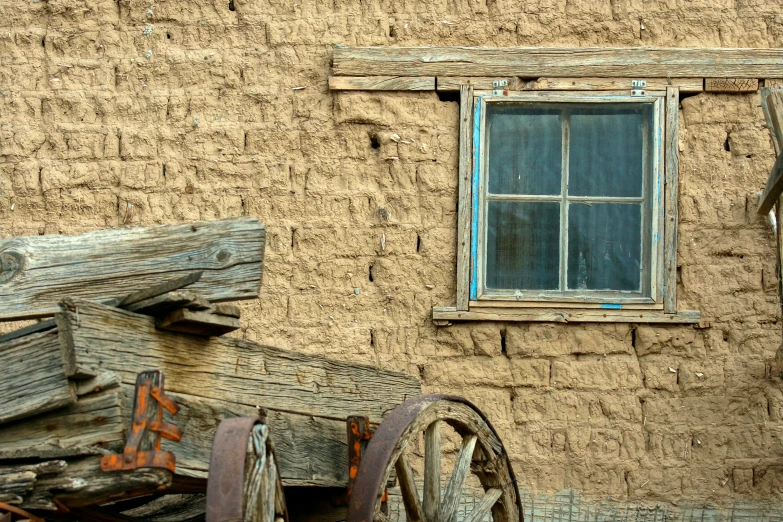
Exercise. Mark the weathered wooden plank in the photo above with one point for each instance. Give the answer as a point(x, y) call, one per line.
point(170, 508)
point(381, 83)
point(229, 310)
point(464, 205)
point(168, 302)
point(454, 83)
point(34, 379)
point(536, 62)
point(156, 290)
point(772, 105)
point(613, 84)
point(731, 84)
point(102, 381)
point(40, 326)
point(36, 272)
point(198, 323)
point(432, 472)
point(562, 315)
point(311, 450)
point(774, 187)
point(82, 483)
point(104, 338)
point(672, 166)
point(93, 425)
point(17, 480)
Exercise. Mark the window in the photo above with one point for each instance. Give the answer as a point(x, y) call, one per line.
point(568, 198)
point(567, 207)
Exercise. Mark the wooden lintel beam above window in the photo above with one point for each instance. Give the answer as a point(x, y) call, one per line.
point(535, 62)
point(382, 83)
point(563, 315)
point(452, 83)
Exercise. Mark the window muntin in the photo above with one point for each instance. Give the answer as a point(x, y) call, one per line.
point(568, 201)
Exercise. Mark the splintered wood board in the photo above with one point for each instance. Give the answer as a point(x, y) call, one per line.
point(37, 272)
point(33, 377)
point(535, 62)
point(93, 425)
point(100, 338)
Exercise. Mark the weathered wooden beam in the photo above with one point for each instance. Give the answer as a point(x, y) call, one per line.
point(168, 302)
point(34, 379)
point(731, 84)
point(82, 483)
point(671, 210)
point(156, 290)
point(18, 480)
point(772, 104)
point(198, 323)
point(37, 272)
point(453, 83)
point(381, 83)
point(40, 326)
point(172, 507)
point(227, 309)
point(774, 187)
point(535, 62)
point(102, 381)
point(464, 205)
point(311, 450)
point(564, 315)
point(102, 338)
point(93, 425)
point(613, 84)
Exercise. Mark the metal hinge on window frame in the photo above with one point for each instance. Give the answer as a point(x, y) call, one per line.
point(499, 84)
point(638, 87)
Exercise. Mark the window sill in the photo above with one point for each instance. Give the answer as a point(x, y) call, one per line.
point(448, 314)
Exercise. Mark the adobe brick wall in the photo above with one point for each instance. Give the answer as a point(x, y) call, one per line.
point(188, 110)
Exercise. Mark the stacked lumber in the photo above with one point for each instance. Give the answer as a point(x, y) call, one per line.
point(117, 303)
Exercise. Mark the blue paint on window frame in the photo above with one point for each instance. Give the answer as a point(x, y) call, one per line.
point(479, 105)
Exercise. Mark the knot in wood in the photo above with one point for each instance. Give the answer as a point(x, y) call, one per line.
point(11, 264)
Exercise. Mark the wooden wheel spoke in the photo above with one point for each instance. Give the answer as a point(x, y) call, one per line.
point(432, 472)
point(489, 499)
point(410, 495)
point(454, 490)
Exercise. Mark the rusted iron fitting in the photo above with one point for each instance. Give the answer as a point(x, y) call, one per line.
point(359, 433)
point(142, 449)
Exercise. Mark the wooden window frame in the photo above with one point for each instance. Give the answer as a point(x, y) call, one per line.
point(473, 303)
point(533, 69)
point(651, 288)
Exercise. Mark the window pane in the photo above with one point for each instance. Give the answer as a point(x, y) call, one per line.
point(606, 150)
point(604, 246)
point(523, 245)
point(525, 152)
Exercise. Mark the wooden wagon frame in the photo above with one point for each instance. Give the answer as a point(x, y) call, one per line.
point(130, 395)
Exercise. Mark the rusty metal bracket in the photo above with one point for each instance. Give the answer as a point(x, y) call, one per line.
point(359, 434)
point(142, 449)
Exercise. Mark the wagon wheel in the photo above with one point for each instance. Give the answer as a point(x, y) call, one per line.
point(481, 453)
point(244, 484)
